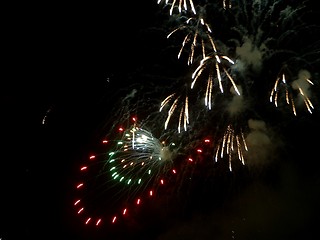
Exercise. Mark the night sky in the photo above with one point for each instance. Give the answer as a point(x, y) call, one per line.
point(70, 63)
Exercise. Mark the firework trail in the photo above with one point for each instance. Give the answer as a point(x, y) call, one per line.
point(185, 5)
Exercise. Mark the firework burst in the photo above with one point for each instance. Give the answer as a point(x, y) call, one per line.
point(182, 5)
point(196, 30)
point(131, 169)
point(258, 41)
point(256, 57)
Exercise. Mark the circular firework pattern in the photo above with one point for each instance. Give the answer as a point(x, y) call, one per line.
point(128, 170)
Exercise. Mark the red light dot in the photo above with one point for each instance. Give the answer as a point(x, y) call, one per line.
point(92, 157)
point(80, 210)
point(150, 193)
point(138, 201)
point(124, 211)
point(190, 159)
point(88, 220)
point(120, 129)
point(104, 141)
point(174, 171)
point(207, 140)
point(161, 181)
point(83, 168)
point(114, 219)
point(199, 150)
point(98, 222)
point(80, 185)
point(76, 202)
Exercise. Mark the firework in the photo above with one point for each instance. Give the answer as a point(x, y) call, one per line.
point(197, 29)
point(180, 4)
point(301, 85)
point(259, 34)
point(231, 143)
point(257, 44)
point(131, 169)
point(240, 55)
point(184, 111)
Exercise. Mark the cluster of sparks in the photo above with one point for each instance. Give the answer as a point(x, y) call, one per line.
point(184, 111)
point(197, 29)
point(218, 69)
point(134, 169)
point(282, 86)
point(136, 162)
point(181, 4)
point(231, 143)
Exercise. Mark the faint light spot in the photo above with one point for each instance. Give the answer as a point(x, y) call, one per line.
point(98, 222)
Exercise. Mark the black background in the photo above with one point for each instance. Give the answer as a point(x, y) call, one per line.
point(68, 58)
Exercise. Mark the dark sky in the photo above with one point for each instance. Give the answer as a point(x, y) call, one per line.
point(70, 62)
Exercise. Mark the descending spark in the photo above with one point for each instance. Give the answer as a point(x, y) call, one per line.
point(226, 4)
point(184, 111)
point(182, 4)
point(196, 28)
point(44, 119)
point(212, 63)
point(230, 144)
point(281, 85)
